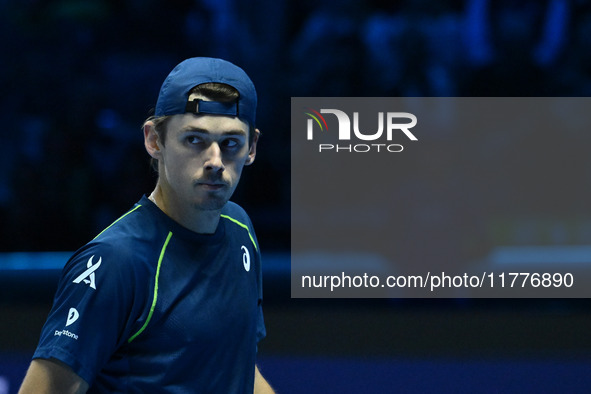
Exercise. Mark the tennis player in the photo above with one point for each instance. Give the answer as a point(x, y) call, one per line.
point(168, 298)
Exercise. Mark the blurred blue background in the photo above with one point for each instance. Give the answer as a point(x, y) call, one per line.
point(78, 78)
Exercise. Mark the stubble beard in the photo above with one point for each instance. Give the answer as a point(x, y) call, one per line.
point(212, 204)
point(211, 201)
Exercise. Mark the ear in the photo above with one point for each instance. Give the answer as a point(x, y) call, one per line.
point(151, 140)
point(252, 152)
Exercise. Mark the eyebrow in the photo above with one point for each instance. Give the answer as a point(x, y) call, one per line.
point(191, 129)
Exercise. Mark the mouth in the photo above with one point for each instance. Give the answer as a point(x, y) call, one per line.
point(211, 185)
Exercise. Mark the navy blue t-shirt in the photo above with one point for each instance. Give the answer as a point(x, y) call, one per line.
point(150, 306)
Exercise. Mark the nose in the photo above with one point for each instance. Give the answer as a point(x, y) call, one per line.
point(213, 161)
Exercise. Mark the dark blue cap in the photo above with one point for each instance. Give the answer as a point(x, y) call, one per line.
point(174, 93)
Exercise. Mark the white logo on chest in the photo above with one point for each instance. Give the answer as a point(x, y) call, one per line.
point(245, 258)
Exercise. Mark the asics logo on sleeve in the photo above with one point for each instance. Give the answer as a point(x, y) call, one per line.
point(245, 258)
point(88, 275)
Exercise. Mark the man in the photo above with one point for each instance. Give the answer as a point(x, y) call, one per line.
point(168, 298)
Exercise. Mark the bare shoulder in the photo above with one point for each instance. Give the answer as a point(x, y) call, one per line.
point(52, 376)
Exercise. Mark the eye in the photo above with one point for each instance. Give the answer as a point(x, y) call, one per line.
point(193, 139)
point(231, 143)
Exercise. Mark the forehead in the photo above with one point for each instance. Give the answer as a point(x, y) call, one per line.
point(214, 124)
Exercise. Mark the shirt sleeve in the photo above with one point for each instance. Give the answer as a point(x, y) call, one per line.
point(93, 311)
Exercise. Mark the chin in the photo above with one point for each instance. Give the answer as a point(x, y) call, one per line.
point(210, 204)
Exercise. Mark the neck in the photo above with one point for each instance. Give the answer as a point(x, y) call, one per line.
point(195, 219)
